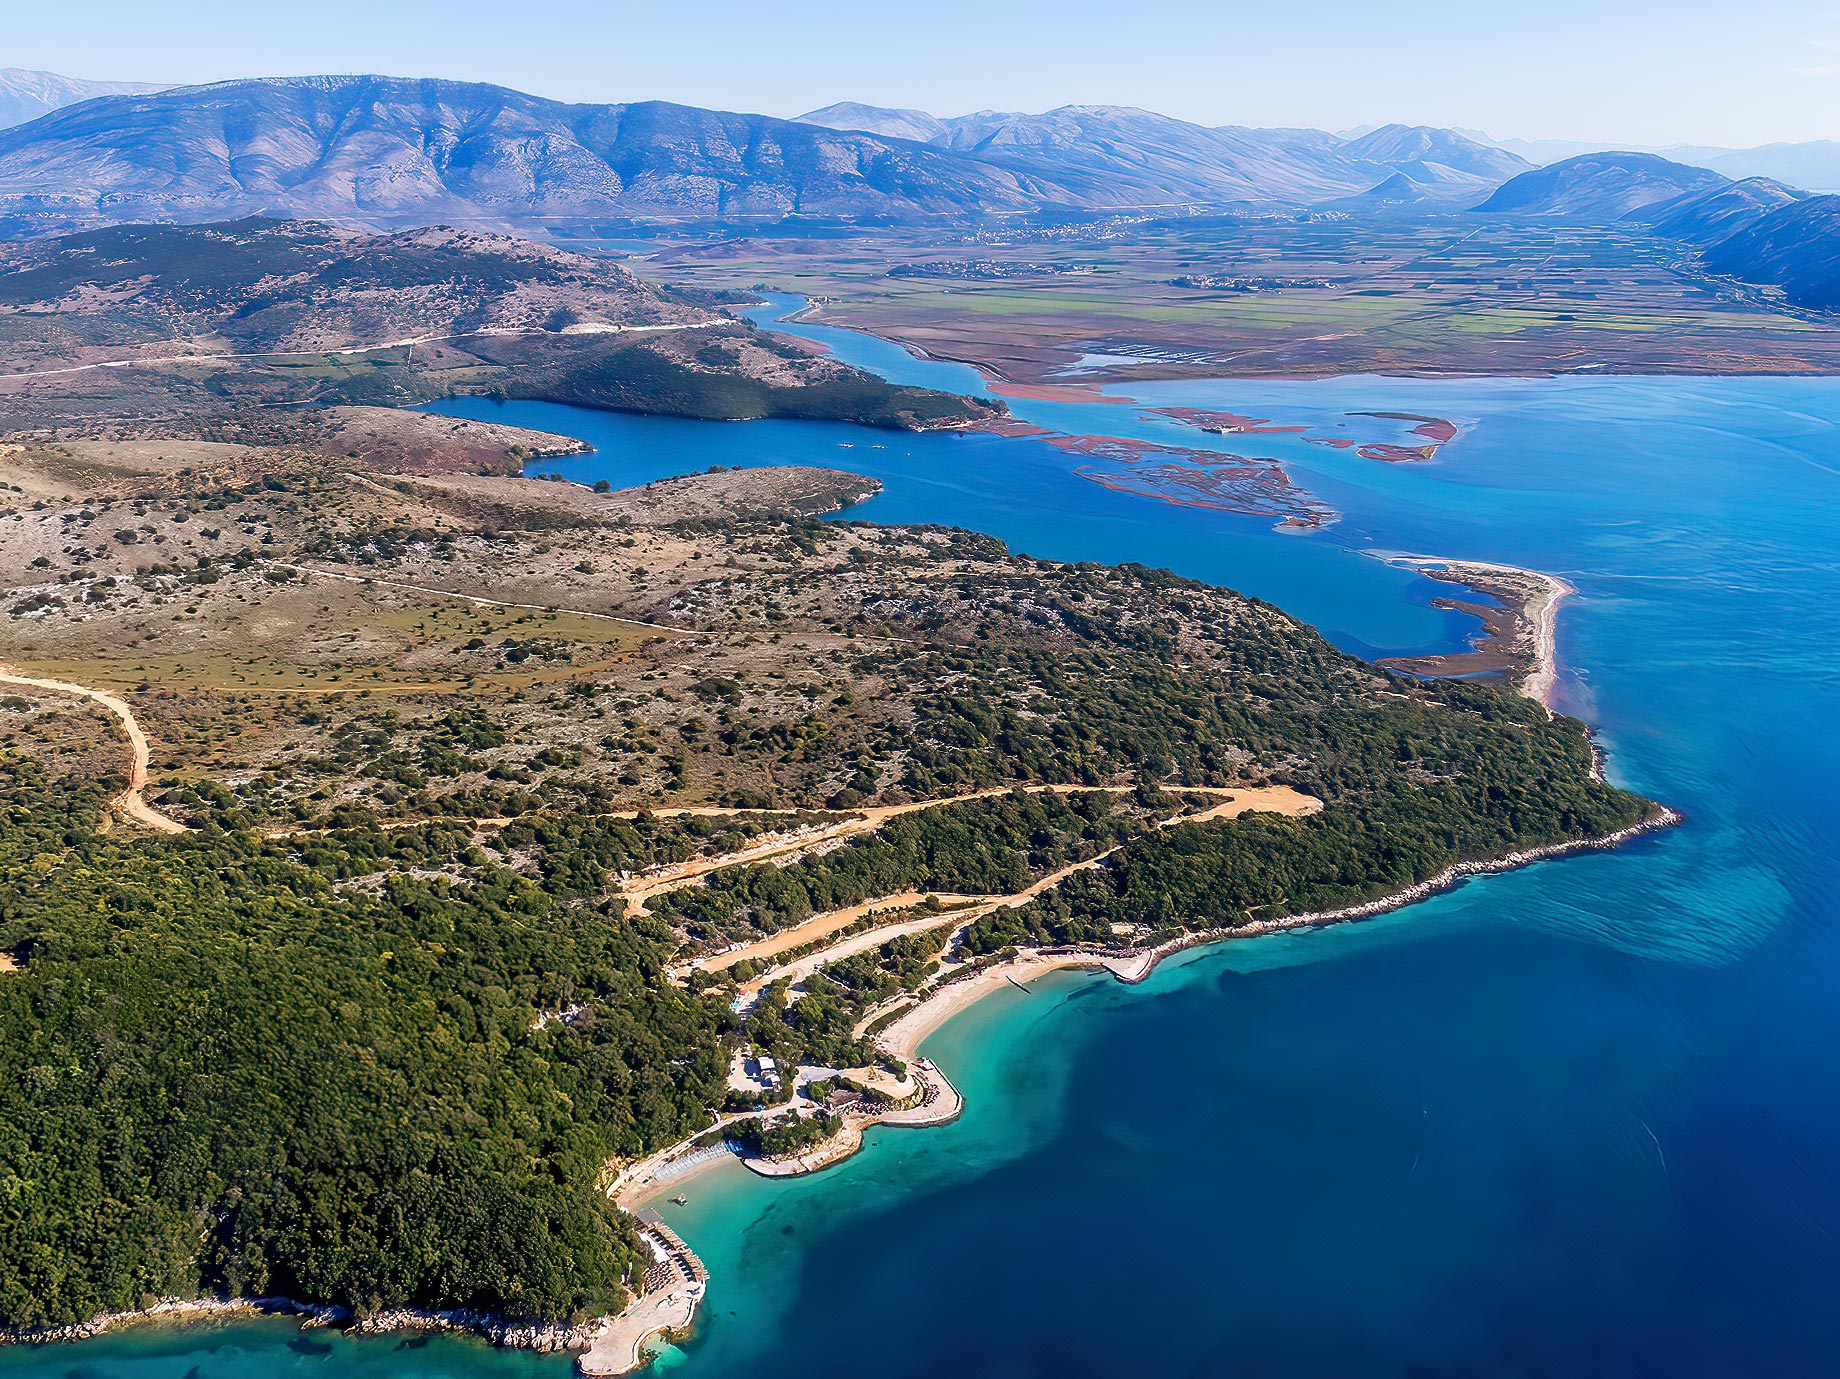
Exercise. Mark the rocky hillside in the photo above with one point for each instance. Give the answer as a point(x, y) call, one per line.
point(294, 285)
point(1706, 217)
point(1795, 247)
point(185, 331)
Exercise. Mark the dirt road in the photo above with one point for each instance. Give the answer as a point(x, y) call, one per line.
point(132, 802)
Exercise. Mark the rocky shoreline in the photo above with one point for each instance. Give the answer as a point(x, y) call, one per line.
point(1424, 890)
point(1132, 966)
point(512, 1333)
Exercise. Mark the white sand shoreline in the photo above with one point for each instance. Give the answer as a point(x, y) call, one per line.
point(1542, 679)
point(905, 1036)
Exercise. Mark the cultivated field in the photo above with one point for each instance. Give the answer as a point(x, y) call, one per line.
point(1460, 294)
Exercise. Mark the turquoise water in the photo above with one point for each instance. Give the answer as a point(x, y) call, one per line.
point(1579, 1119)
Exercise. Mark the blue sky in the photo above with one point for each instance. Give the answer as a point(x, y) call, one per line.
point(1635, 71)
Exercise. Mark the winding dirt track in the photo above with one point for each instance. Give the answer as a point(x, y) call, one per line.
point(640, 889)
point(1277, 799)
point(132, 802)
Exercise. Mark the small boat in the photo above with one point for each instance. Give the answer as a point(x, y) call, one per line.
point(681, 1200)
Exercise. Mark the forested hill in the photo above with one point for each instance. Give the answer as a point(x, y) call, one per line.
point(255, 315)
point(227, 1071)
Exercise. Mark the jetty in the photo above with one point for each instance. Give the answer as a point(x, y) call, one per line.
point(674, 1284)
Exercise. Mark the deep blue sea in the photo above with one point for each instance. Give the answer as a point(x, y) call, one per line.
point(1579, 1120)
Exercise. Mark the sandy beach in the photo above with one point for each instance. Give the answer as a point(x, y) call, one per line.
point(1520, 637)
point(905, 1035)
point(1542, 610)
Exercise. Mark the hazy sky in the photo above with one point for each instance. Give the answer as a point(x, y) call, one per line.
point(1634, 71)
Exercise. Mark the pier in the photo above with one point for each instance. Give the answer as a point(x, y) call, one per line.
point(674, 1284)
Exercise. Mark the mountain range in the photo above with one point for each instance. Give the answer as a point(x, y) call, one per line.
point(1124, 157)
point(381, 152)
point(387, 152)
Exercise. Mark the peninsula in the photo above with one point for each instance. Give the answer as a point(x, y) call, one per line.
point(445, 857)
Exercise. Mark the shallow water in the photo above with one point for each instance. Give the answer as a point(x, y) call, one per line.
point(1579, 1119)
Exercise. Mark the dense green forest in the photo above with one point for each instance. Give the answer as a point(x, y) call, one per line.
point(1411, 784)
point(629, 377)
point(224, 1071)
point(1263, 866)
point(992, 846)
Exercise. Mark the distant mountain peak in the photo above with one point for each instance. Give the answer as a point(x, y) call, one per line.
point(1599, 186)
point(878, 119)
point(26, 94)
point(384, 152)
point(1399, 144)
